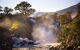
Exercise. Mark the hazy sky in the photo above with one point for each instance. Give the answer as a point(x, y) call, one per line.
point(42, 5)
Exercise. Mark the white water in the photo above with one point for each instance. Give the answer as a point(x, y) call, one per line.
point(45, 32)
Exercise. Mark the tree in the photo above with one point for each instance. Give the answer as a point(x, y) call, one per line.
point(0, 8)
point(31, 11)
point(25, 7)
point(7, 10)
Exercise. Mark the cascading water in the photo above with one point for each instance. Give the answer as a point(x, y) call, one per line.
point(45, 31)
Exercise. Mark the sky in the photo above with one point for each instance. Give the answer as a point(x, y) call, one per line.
point(42, 5)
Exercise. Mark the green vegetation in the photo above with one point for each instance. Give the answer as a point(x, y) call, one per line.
point(0, 8)
point(69, 34)
point(7, 10)
point(25, 7)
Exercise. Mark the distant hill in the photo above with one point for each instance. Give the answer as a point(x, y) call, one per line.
point(73, 10)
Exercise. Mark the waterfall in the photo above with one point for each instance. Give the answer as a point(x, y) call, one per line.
point(45, 31)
